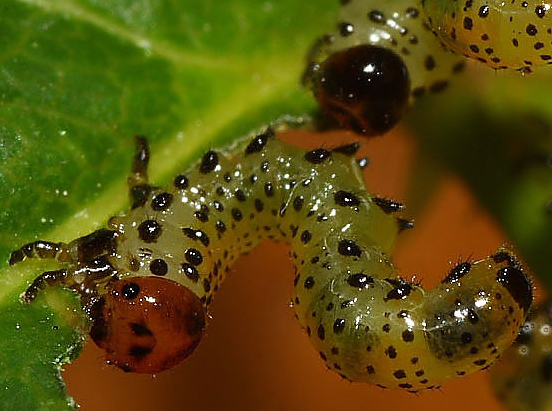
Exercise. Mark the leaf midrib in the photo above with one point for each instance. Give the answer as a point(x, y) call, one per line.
point(150, 46)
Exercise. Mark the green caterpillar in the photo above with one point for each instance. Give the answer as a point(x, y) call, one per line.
point(148, 279)
point(385, 55)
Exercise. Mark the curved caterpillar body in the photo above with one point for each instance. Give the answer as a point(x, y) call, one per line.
point(367, 323)
point(384, 55)
point(523, 376)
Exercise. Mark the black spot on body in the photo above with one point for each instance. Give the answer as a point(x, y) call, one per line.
point(208, 162)
point(540, 11)
point(399, 374)
point(220, 226)
point(306, 236)
point(321, 332)
point(407, 336)
point(391, 352)
point(197, 235)
point(346, 199)
point(468, 23)
point(298, 203)
point(201, 216)
point(258, 143)
point(360, 280)
point(240, 195)
point(309, 283)
point(346, 29)
point(429, 63)
point(237, 214)
point(376, 16)
point(149, 231)
point(159, 267)
point(349, 248)
point(531, 30)
point(412, 12)
point(181, 182)
point(269, 189)
point(457, 273)
point(191, 272)
point(387, 206)
point(483, 11)
point(317, 156)
point(400, 291)
point(161, 201)
point(339, 326)
point(193, 256)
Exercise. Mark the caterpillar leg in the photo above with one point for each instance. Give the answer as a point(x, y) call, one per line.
point(88, 256)
point(42, 250)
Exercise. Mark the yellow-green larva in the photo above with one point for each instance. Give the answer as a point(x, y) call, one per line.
point(164, 260)
point(522, 378)
point(502, 34)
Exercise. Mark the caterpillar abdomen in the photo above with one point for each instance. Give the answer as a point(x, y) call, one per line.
point(367, 322)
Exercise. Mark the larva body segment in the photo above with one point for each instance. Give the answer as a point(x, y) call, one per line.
point(512, 34)
point(367, 323)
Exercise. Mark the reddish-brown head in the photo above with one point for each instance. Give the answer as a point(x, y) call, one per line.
point(147, 324)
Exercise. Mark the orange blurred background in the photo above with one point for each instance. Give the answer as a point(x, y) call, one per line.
point(255, 355)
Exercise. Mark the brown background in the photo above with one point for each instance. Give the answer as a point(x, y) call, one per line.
point(255, 355)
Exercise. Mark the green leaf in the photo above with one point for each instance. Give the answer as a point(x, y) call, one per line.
point(78, 78)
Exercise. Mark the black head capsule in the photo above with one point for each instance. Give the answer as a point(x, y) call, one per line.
point(365, 88)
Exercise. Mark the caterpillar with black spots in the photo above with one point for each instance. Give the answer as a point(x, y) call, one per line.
point(385, 55)
point(522, 378)
point(148, 279)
